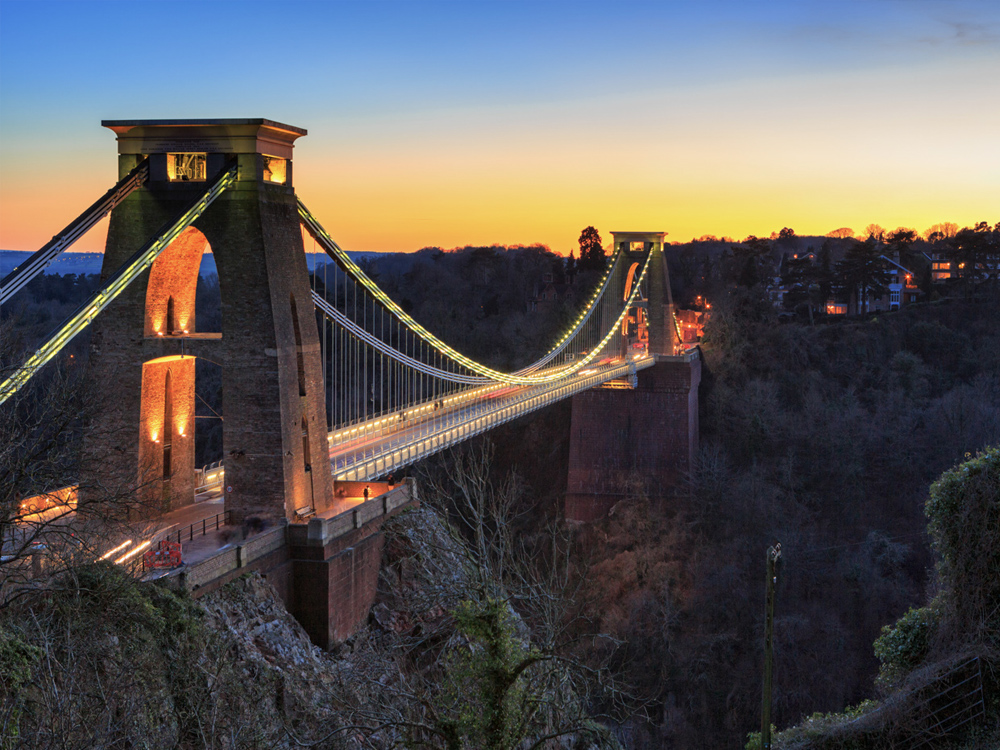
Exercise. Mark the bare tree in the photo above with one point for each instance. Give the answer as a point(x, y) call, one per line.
point(481, 653)
point(943, 231)
point(873, 231)
point(46, 527)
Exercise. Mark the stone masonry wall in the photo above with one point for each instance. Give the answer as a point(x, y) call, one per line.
point(326, 571)
point(254, 234)
point(255, 237)
point(649, 434)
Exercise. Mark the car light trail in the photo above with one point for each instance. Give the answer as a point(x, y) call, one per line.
point(116, 550)
point(132, 553)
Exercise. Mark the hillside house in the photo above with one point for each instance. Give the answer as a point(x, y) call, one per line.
point(691, 326)
point(548, 294)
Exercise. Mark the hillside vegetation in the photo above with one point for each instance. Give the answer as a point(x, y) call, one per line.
point(939, 679)
point(446, 661)
point(825, 439)
point(822, 437)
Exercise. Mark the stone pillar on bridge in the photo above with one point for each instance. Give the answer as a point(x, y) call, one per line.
point(274, 429)
point(648, 435)
point(659, 306)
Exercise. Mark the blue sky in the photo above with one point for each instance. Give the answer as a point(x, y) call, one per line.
point(447, 123)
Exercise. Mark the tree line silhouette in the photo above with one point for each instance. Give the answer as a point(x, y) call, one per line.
point(808, 272)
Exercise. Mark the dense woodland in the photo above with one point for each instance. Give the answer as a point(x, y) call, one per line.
point(824, 437)
point(820, 433)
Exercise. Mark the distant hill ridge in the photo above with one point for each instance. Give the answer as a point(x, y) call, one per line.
point(87, 263)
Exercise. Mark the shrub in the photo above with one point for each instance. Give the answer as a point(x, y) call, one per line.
point(963, 512)
point(17, 659)
point(903, 646)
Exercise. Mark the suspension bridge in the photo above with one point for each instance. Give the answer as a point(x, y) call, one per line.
point(324, 384)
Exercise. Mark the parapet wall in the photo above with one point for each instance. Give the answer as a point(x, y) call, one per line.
point(620, 437)
point(325, 571)
point(336, 564)
point(210, 574)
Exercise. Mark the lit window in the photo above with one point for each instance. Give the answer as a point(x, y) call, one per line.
point(186, 167)
point(274, 169)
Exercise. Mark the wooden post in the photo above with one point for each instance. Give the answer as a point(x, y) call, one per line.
point(773, 554)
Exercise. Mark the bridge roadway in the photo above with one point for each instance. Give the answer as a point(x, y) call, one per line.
point(370, 449)
point(377, 447)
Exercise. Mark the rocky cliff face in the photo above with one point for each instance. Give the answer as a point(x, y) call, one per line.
point(103, 661)
point(312, 695)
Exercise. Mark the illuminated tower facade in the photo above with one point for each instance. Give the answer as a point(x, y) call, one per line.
point(146, 345)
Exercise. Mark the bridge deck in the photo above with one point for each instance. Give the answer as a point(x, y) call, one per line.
point(378, 447)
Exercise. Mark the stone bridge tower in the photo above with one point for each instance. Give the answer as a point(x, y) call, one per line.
point(648, 434)
point(145, 345)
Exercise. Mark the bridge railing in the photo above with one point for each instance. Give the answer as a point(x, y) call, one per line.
point(199, 528)
point(209, 477)
point(453, 427)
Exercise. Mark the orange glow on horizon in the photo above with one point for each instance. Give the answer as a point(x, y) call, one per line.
point(560, 237)
point(809, 152)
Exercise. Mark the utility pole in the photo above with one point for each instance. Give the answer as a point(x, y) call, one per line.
point(773, 555)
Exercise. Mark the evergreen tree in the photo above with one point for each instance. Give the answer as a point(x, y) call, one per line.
point(750, 258)
point(824, 273)
point(968, 251)
point(901, 244)
point(591, 251)
point(797, 277)
point(863, 272)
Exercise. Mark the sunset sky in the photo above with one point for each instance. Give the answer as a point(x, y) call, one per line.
point(473, 123)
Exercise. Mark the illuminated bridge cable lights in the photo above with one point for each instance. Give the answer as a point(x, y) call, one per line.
point(345, 262)
point(421, 393)
point(125, 275)
point(581, 320)
point(386, 381)
point(355, 330)
point(39, 261)
point(425, 336)
point(416, 386)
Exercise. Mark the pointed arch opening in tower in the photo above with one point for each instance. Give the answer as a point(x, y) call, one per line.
point(171, 326)
point(172, 292)
point(166, 433)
